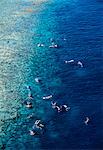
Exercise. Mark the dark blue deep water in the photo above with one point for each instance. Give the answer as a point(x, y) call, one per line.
point(77, 27)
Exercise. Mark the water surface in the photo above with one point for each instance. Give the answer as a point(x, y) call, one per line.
point(77, 27)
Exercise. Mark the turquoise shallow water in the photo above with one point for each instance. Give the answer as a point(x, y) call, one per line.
point(21, 62)
point(21, 28)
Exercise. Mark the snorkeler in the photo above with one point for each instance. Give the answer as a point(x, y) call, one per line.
point(29, 92)
point(40, 45)
point(53, 45)
point(48, 97)
point(62, 108)
point(55, 106)
point(86, 121)
point(74, 62)
point(80, 63)
point(69, 61)
point(37, 80)
point(58, 108)
point(65, 108)
point(28, 104)
point(32, 132)
point(38, 124)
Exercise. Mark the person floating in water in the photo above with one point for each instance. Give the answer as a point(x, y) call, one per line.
point(69, 61)
point(55, 106)
point(32, 132)
point(62, 108)
point(40, 45)
point(58, 108)
point(29, 92)
point(79, 63)
point(86, 121)
point(53, 45)
point(47, 97)
point(65, 108)
point(38, 124)
point(37, 80)
point(27, 104)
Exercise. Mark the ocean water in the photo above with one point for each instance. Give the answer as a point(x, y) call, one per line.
point(77, 27)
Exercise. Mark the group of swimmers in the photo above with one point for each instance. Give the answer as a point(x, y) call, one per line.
point(79, 63)
point(37, 126)
point(54, 105)
point(62, 108)
point(28, 104)
point(59, 108)
point(52, 45)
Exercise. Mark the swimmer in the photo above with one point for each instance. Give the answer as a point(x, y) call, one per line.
point(37, 124)
point(41, 126)
point(28, 87)
point(65, 108)
point(32, 132)
point(80, 63)
point(29, 105)
point(29, 92)
point(86, 121)
point(37, 80)
point(69, 61)
point(54, 104)
point(47, 97)
point(58, 108)
point(40, 45)
point(53, 45)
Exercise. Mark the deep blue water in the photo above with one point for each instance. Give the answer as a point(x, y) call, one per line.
point(80, 22)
